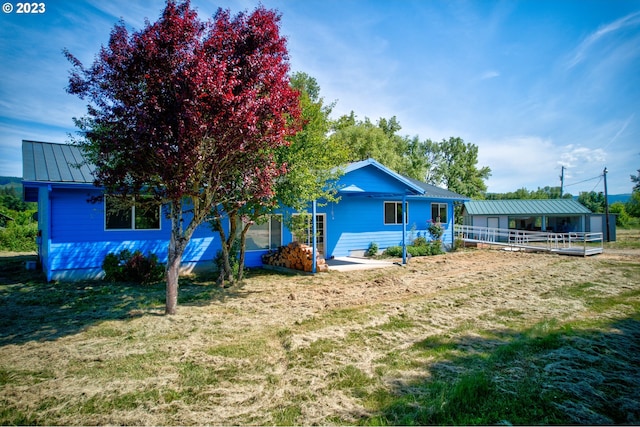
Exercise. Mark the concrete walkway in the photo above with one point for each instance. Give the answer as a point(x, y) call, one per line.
point(351, 263)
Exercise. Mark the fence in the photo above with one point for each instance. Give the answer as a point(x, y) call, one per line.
point(576, 243)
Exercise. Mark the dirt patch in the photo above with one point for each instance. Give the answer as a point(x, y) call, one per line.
point(316, 350)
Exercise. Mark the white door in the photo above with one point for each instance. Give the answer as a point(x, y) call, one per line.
point(493, 222)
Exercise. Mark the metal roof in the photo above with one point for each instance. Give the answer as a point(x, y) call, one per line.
point(51, 162)
point(526, 207)
point(437, 192)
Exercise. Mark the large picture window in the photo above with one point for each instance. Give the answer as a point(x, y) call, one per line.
point(393, 213)
point(138, 214)
point(439, 212)
point(267, 235)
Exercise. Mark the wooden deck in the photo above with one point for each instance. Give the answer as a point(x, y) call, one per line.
point(576, 244)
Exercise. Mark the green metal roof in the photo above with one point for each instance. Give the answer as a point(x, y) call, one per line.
point(525, 207)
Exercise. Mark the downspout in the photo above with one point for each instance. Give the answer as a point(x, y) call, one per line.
point(314, 230)
point(49, 221)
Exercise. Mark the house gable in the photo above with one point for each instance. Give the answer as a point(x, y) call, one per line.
point(370, 178)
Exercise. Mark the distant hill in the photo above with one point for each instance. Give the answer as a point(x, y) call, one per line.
point(11, 182)
point(624, 198)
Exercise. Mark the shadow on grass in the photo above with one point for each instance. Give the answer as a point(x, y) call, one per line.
point(547, 375)
point(34, 310)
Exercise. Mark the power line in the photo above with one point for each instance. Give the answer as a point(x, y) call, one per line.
point(597, 183)
point(580, 182)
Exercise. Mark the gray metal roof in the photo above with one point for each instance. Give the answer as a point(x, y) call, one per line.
point(437, 192)
point(50, 162)
point(526, 207)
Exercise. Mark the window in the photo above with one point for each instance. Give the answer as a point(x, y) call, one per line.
point(139, 215)
point(263, 236)
point(393, 213)
point(439, 212)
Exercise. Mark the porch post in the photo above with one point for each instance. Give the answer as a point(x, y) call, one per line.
point(313, 238)
point(404, 229)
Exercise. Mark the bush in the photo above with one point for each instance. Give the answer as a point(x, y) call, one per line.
point(133, 267)
point(373, 249)
point(420, 241)
point(423, 249)
point(19, 238)
point(435, 230)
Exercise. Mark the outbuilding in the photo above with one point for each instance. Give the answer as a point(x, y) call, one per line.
point(555, 215)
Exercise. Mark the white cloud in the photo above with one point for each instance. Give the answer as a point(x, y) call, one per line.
point(532, 162)
point(582, 50)
point(492, 74)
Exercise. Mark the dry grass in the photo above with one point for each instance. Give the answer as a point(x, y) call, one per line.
point(394, 346)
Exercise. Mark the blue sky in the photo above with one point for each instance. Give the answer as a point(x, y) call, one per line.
point(534, 84)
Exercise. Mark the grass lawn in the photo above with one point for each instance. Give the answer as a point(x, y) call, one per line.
point(471, 337)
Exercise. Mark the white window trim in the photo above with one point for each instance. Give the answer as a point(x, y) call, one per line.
point(133, 219)
point(446, 207)
point(406, 213)
point(281, 234)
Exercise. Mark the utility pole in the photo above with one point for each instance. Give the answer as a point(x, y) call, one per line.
point(561, 181)
point(606, 203)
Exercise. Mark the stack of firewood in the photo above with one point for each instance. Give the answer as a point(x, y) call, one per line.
point(296, 256)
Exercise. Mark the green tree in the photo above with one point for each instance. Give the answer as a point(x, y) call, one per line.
point(636, 180)
point(622, 217)
point(592, 201)
point(312, 168)
point(367, 140)
point(457, 168)
point(522, 193)
point(633, 205)
point(313, 159)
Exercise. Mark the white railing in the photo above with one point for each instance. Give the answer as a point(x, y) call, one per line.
point(579, 243)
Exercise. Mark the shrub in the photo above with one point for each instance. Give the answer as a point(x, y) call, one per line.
point(18, 238)
point(393, 251)
point(429, 248)
point(133, 267)
point(420, 241)
point(373, 249)
point(435, 230)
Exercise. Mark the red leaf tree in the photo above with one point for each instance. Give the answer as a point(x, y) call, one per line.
point(185, 112)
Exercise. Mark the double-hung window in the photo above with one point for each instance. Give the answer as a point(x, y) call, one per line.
point(393, 213)
point(132, 214)
point(439, 212)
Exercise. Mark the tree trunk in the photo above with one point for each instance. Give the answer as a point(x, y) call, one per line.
point(225, 268)
point(177, 244)
point(243, 242)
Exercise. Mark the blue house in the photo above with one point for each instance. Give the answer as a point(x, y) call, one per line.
point(74, 234)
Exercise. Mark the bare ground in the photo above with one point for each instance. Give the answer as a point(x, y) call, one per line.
point(282, 349)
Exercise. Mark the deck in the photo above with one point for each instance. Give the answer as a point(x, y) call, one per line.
point(577, 244)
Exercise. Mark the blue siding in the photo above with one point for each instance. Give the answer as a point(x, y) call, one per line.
point(79, 242)
point(355, 222)
point(74, 241)
point(370, 178)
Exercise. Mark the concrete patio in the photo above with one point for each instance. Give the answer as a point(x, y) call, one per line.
point(352, 263)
